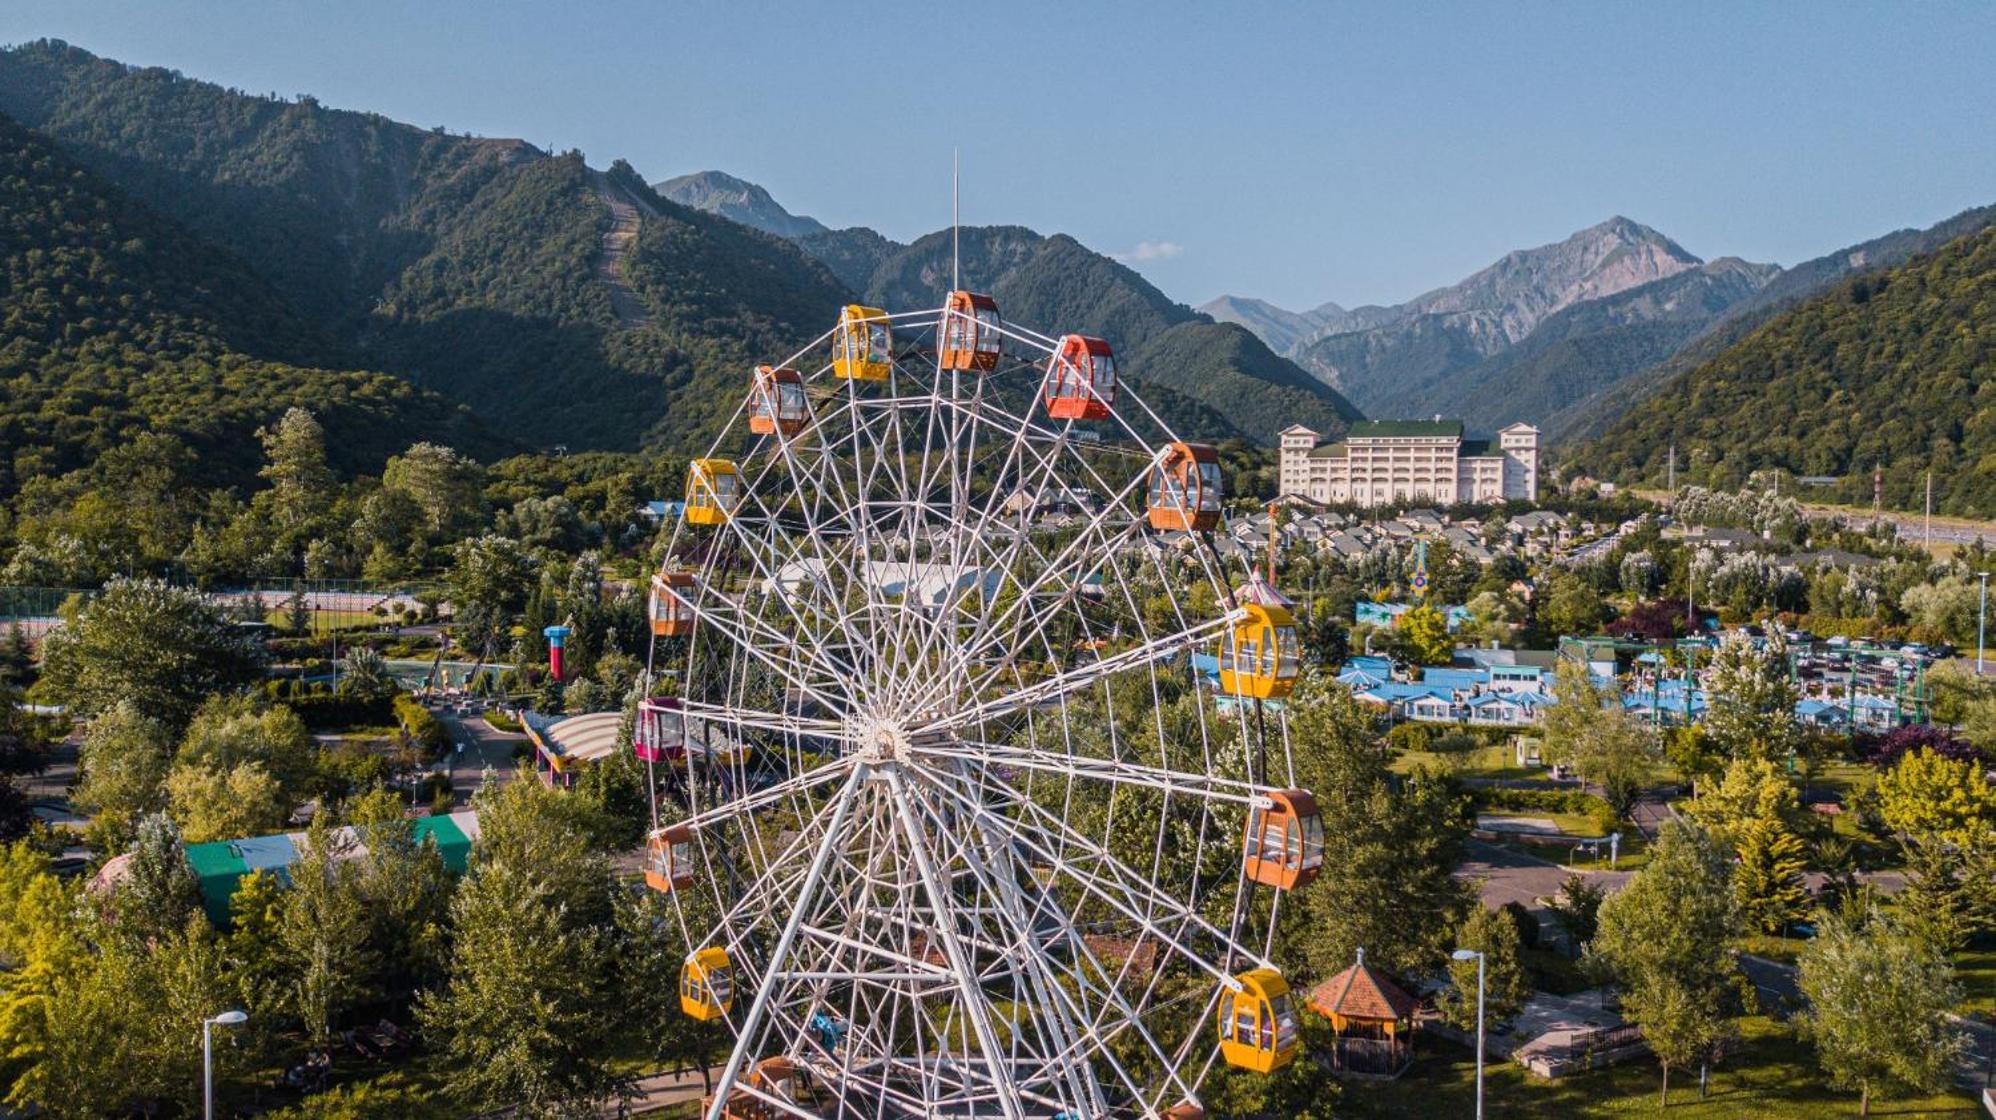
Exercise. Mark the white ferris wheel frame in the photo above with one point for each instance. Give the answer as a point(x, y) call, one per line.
point(908, 757)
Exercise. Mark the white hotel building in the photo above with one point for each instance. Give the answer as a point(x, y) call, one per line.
point(1392, 461)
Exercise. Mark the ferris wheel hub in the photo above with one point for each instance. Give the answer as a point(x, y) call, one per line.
point(882, 741)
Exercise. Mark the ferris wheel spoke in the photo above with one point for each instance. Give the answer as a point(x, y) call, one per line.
point(1210, 787)
point(787, 788)
point(777, 956)
point(990, 862)
point(939, 899)
point(1120, 888)
point(1079, 679)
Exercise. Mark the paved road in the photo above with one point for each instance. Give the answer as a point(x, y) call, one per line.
point(1510, 876)
point(484, 746)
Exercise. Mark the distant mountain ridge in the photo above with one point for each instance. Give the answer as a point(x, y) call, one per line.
point(1588, 419)
point(1533, 336)
point(1890, 368)
point(1210, 373)
point(563, 304)
point(737, 200)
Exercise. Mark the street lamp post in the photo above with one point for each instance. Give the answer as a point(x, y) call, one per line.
point(1981, 621)
point(1463, 955)
point(225, 1019)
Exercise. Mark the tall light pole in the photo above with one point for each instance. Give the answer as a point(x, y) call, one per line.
point(1463, 955)
point(1981, 622)
point(225, 1019)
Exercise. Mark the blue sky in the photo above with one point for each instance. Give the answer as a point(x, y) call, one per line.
point(1297, 152)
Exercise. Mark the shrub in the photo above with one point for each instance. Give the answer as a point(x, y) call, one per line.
point(1409, 737)
point(421, 725)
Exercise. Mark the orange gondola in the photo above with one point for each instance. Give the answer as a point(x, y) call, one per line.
point(1258, 1023)
point(1185, 489)
point(1081, 379)
point(1258, 656)
point(777, 402)
point(972, 333)
point(669, 859)
point(1285, 841)
point(671, 613)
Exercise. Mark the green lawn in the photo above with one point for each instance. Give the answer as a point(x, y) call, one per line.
point(1975, 969)
point(325, 622)
point(1773, 1077)
point(1483, 762)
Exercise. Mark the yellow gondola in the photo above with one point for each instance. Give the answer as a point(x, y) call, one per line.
point(1258, 657)
point(1284, 848)
point(1258, 1023)
point(713, 489)
point(707, 985)
point(863, 346)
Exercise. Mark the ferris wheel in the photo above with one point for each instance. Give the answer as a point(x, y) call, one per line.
point(972, 791)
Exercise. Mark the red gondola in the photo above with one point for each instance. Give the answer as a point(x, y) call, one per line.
point(972, 334)
point(660, 734)
point(1081, 379)
point(777, 402)
point(1185, 489)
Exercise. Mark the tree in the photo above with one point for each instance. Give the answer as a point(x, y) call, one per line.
point(227, 804)
point(324, 931)
point(301, 484)
point(1664, 938)
point(1391, 846)
point(1750, 790)
point(1578, 907)
point(159, 892)
point(1931, 799)
point(1571, 606)
point(538, 891)
point(1589, 731)
point(124, 762)
point(1878, 1007)
point(160, 647)
point(1752, 713)
point(443, 484)
point(1768, 880)
point(364, 673)
point(407, 889)
point(488, 583)
point(1494, 934)
point(1424, 635)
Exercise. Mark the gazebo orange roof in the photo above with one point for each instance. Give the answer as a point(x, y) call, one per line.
point(1361, 994)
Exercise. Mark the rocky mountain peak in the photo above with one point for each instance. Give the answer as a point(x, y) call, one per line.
point(739, 200)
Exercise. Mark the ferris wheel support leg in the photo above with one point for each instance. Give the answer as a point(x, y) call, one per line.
point(939, 899)
point(753, 1022)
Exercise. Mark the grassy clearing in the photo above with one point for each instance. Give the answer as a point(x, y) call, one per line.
point(1483, 762)
point(325, 622)
point(1975, 969)
point(1773, 1077)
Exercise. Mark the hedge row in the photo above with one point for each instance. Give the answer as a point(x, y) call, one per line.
point(421, 725)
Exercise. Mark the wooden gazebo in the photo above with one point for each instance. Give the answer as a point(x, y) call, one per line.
point(1371, 1018)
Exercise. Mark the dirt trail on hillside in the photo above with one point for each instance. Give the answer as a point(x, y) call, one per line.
point(625, 215)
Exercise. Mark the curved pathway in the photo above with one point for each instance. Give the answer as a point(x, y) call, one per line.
point(618, 241)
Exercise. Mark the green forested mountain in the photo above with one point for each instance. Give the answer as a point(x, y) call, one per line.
point(564, 305)
point(1588, 418)
point(1895, 368)
point(1222, 381)
point(116, 322)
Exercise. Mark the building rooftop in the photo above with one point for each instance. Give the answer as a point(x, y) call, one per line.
point(1374, 429)
point(1363, 994)
point(1336, 450)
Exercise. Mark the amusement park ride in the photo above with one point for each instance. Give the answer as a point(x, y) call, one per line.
point(949, 821)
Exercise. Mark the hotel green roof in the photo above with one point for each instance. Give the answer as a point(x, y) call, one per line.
point(1388, 428)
